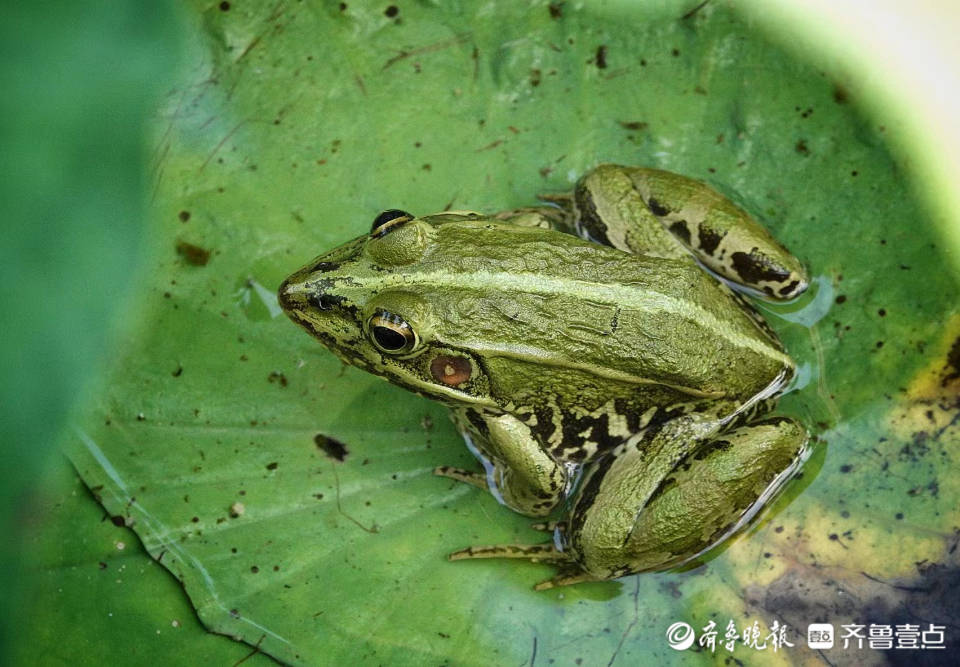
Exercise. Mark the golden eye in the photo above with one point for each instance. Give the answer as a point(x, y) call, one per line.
point(388, 221)
point(391, 333)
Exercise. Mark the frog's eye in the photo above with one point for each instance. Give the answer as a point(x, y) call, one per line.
point(392, 334)
point(387, 221)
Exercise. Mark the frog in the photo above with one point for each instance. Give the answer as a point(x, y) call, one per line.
point(599, 355)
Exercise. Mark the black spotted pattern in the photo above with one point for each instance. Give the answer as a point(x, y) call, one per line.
point(754, 267)
point(681, 231)
point(588, 221)
point(710, 239)
point(657, 208)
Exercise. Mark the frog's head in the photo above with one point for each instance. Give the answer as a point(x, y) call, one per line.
point(381, 302)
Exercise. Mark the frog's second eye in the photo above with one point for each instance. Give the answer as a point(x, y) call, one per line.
point(387, 221)
point(392, 334)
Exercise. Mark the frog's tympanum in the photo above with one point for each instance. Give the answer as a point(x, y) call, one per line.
point(616, 377)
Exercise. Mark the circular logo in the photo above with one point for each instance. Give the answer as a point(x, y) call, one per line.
point(680, 636)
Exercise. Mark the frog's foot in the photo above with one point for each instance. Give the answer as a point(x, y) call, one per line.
point(533, 552)
point(549, 526)
point(565, 577)
point(568, 572)
point(562, 199)
point(477, 479)
point(544, 217)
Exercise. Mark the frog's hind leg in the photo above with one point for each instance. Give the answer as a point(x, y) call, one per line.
point(608, 209)
point(720, 234)
point(654, 212)
point(667, 500)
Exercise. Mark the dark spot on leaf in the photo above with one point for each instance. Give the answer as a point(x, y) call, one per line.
point(118, 521)
point(840, 298)
point(278, 377)
point(254, 569)
point(953, 363)
point(331, 447)
point(272, 466)
point(840, 94)
point(102, 565)
point(391, 11)
point(801, 147)
point(193, 254)
point(224, 6)
point(601, 59)
point(184, 216)
point(633, 124)
point(882, 312)
point(846, 467)
point(178, 372)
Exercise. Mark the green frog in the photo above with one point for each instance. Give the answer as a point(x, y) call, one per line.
point(593, 355)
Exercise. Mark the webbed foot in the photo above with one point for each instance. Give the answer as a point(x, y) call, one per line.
point(477, 479)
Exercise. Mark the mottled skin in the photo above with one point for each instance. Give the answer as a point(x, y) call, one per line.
point(557, 353)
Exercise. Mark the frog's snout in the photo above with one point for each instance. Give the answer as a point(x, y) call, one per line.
point(297, 296)
point(287, 295)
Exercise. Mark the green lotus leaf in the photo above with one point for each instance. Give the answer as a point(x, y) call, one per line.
point(293, 497)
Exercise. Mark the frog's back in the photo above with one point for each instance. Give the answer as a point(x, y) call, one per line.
point(570, 310)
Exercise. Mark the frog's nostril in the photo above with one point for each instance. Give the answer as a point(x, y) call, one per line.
point(323, 301)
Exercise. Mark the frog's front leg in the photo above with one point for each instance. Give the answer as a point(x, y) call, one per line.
point(521, 473)
point(655, 212)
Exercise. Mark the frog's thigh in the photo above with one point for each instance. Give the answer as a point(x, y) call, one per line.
point(611, 211)
point(719, 233)
point(528, 479)
point(712, 491)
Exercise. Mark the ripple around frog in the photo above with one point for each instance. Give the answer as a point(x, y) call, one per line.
point(804, 314)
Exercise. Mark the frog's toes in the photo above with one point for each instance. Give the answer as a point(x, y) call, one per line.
point(476, 479)
point(565, 578)
point(534, 552)
point(549, 526)
point(562, 199)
